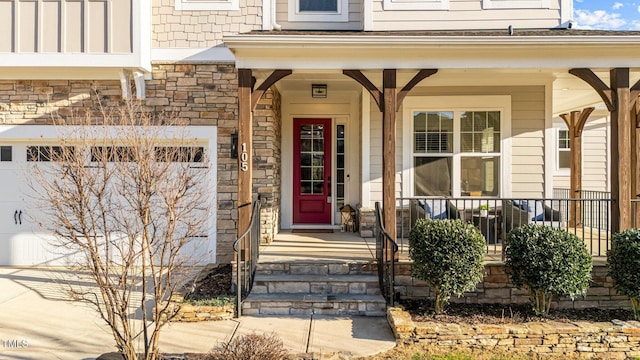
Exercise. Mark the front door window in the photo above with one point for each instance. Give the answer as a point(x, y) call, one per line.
point(312, 171)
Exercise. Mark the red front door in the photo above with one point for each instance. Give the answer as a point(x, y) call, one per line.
point(312, 171)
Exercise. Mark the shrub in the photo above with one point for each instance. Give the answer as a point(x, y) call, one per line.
point(624, 266)
point(448, 255)
point(549, 262)
point(251, 347)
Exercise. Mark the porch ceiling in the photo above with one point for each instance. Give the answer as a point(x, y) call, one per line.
point(569, 92)
point(480, 58)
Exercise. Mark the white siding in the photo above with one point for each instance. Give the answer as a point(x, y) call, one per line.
point(527, 133)
point(465, 15)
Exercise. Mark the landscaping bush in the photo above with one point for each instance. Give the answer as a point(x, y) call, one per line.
point(623, 261)
point(251, 347)
point(448, 254)
point(549, 262)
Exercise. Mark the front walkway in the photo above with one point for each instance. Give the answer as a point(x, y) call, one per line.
point(35, 312)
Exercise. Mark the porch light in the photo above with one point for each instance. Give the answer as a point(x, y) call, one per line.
point(319, 90)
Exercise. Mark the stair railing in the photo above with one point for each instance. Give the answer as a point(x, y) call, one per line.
point(247, 249)
point(386, 250)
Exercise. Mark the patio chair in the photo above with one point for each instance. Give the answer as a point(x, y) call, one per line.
point(433, 209)
point(520, 212)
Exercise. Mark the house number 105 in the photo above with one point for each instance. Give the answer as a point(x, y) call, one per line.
point(244, 158)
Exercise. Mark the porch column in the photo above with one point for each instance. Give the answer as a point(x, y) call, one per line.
point(575, 123)
point(245, 147)
point(247, 101)
point(389, 151)
point(619, 101)
point(389, 101)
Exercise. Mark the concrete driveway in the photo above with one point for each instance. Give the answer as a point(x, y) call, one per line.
point(37, 321)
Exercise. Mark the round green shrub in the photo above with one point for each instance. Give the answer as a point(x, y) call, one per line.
point(448, 254)
point(623, 261)
point(549, 262)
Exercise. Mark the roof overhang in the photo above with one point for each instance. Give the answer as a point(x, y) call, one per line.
point(361, 51)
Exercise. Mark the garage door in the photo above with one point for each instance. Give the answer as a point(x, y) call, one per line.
point(23, 242)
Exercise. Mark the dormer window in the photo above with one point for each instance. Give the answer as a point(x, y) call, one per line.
point(319, 10)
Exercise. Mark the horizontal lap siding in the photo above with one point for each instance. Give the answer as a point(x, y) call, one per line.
point(464, 15)
point(595, 153)
point(527, 131)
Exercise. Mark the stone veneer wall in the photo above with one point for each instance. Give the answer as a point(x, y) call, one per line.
point(497, 289)
point(203, 94)
point(267, 140)
point(582, 339)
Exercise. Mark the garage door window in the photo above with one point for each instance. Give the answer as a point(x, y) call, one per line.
point(6, 153)
point(191, 154)
point(48, 153)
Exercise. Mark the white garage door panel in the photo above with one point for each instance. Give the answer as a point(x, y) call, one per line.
point(27, 244)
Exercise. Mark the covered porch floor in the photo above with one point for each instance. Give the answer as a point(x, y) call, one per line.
point(336, 246)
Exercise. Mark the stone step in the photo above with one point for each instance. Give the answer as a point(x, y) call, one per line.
point(310, 304)
point(316, 284)
point(317, 268)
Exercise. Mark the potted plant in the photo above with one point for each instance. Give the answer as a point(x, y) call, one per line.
point(484, 210)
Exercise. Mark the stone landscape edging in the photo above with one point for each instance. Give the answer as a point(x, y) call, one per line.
point(185, 312)
point(618, 339)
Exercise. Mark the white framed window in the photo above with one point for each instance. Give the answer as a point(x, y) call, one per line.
point(515, 4)
point(563, 156)
point(456, 146)
point(416, 5)
point(319, 10)
point(207, 4)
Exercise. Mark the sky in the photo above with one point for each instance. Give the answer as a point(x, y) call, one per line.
point(607, 14)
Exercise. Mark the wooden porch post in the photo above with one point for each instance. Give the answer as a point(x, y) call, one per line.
point(619, 101)
point(245, 153)
point(389, 101)
point(575, 123)
point(635, 155)
point(247, 101)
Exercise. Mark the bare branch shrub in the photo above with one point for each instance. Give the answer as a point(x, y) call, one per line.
point(251, 347)
point(125, 194)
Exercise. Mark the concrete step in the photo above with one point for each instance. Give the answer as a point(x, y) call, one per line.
point(317, 268)
point(314, 304)
point(316, 284)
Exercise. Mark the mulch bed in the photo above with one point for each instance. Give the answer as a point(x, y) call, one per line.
point(422, 310)
point(213, 282)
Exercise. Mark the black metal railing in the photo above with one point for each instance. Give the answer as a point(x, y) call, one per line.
point(590, 211)
point(587, 218)
point(386, 250)
point(247, 248)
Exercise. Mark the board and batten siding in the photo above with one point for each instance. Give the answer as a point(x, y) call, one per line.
point(64, 26)
point(355, 18)
point(595, 157)
point(465, 15)
point(527, 137)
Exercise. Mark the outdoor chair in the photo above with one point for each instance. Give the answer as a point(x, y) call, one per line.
point(521, 212)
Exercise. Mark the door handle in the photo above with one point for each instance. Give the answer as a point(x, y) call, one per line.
point(15, 217)
point(20, 217)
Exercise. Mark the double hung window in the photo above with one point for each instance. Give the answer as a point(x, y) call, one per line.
point(456, 151)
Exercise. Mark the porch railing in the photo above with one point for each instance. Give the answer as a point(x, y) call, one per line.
point(505, 214)
point(247, 249)
point(386, 250)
